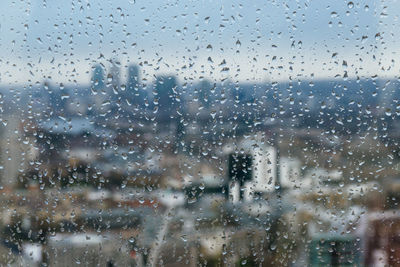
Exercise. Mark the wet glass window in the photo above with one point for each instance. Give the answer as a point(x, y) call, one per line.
point(199, 133)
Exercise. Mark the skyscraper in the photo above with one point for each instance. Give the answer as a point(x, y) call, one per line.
point(134, 94)
point(205, 93)
point(113, 77)
point(97, 82)
point(133, 78)
point(166, 97)
point(97, 87)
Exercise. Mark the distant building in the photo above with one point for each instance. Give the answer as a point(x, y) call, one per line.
point(289, 172)
point(133, 78)
point(97, 87)
point(97, 81)
point(240, 169)
point(134, 94)
point(253, 171)
point(166, 97)
point(317, 177)
point(380, 232)
point(113, 76)
point(335, 250)
point(204, 93)
point(264, 168)
point(15, 153)
point(264, 172)
point(89, 248)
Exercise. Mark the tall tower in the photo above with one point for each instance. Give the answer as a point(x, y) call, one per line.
point(133, 78)
point(97, 81)
point(97, 87)
point(113, 76)
point(134, 94)
point(166, 96)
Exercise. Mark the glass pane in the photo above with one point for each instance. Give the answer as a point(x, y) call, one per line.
point(200, 133)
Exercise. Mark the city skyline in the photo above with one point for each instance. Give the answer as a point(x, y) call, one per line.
point(136, 31)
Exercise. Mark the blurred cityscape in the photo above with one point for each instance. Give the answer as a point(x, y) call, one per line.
point(131, 172)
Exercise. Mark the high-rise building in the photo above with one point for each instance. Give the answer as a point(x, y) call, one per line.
point(114, 75)
point(289, 172)
point(98, 87)
point(166, 97)
point(16, 151)
point(133, 78)
point(264, 168)
point(240, 169)
point(205, 93)
point(134, 94)
point(253, 171)
point(114, 83)
point(97, 82)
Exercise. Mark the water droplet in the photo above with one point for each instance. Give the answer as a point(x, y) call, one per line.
point(350, 4)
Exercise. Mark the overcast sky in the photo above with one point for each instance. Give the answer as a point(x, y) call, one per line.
point(239, 40)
